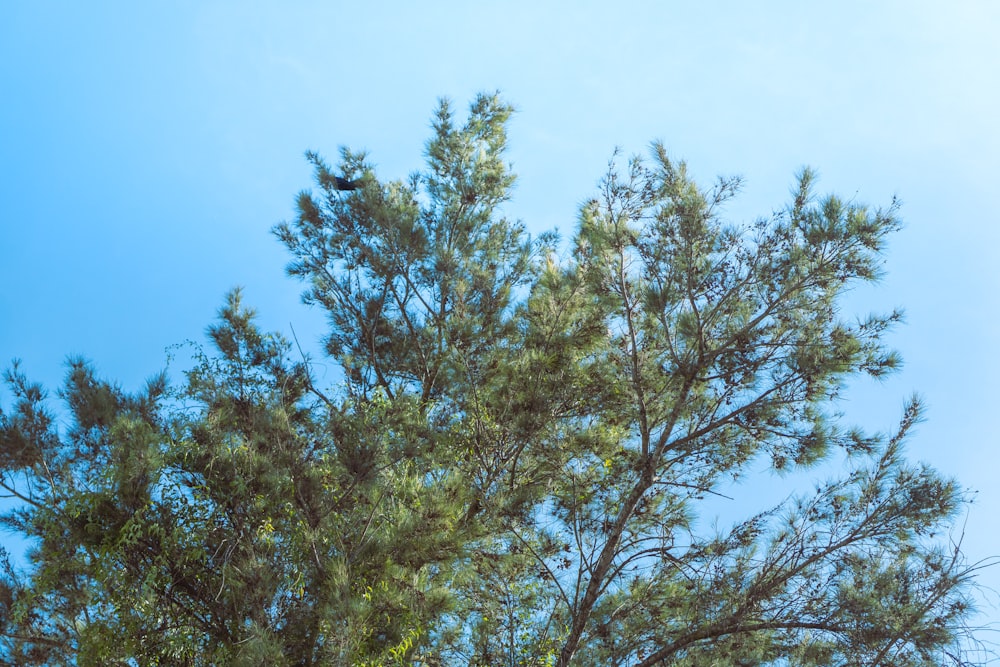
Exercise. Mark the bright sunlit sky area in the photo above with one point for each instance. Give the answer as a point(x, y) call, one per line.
point(146, 149)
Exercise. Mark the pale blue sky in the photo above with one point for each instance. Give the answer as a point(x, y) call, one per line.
point(147, 148)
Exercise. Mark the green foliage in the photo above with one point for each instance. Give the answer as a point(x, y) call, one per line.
point(510, 470)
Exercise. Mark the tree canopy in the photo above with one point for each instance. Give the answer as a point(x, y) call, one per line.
point(511, 467)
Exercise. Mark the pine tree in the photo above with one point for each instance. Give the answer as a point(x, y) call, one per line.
point(511, 469)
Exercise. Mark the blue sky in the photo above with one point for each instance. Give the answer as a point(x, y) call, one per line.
point(147, 148)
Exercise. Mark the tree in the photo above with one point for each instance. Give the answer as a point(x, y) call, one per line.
point(510, 470)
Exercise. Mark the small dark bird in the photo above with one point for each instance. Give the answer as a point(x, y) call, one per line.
point(344, 184)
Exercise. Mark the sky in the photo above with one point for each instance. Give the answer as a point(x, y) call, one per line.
point(146, 149)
